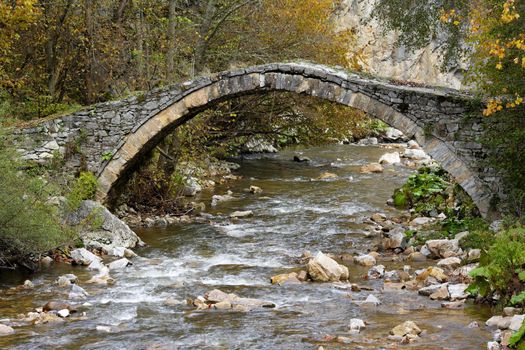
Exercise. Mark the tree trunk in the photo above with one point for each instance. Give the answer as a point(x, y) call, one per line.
point(202, 44)
point(89, 78)
point(170, 57)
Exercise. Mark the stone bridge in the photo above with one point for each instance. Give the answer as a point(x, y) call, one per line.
point(110, 139)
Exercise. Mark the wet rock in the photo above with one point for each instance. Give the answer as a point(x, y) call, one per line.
point(111, 232)
point(372, 300)
point(302, 276)
point(77, 293)
point(378, 217)
point(390, 158)
point(457, 291)
point(237, 303)
point(327, 176)
point(216, 199)
point(432, 272)
point(356, 325)
point(56, 306)
point(103, 329)
point(241, 214)
point(440, 294)
point(6, 330)
point(372, 168)
point(324, 269)
point(63, 313)
point(392, 276)
point(365, 260)
point(28, 285)
point(301, 159)
point(407, 327)
point(82, 256)
point(103, 278)
point(255, 190)
point(473, 324)
point(285, 278)
point(449, 263)
point(172, 302)
point(66, 280)
point(376, 272)
point(120, 264)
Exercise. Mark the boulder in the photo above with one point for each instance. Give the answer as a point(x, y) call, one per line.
point(390, 158)
point(104, 230)
point(378, 217)
point(428, 291)
point(285, 278)
point(407, 327)
point(499, 322)
point(120, 264)
point(415, 154)
point(232, 301)
point(324, 269)
point(417, 257)
point(356, 325)
point(393, 134)
point(82, 256)
point(6, 330)
point(394, 240)
point(56, 306)
point(369, 141)
point(515, 322)
point(372, 300)
point(216, 199)
point(301, 159)
point(63, 313)
point(365, 260)
point(413, 145)
point(371, 168)
point(255, 190)
point(77, 292)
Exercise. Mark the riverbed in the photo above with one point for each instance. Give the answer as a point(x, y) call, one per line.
point(295, 213)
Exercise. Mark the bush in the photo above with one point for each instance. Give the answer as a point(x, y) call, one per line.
point(502, 269)
point(28, 224)
point(85, 187)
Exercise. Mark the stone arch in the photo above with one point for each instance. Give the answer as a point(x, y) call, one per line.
point(390, 103)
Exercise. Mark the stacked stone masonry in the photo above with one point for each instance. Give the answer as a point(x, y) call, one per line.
point(110, 138)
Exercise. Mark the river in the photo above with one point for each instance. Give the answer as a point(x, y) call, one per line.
point(292, 215)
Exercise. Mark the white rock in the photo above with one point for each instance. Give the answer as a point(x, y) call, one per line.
point(499, 322)
point(442, 247)
point(365, 260)
point(368, 141)
point(516, 322)
point(393, 134)
point(427, 291)
point(6, 330)
point(390, 158)
point(119, 252)
point(492, 345)
point(356, 325)
point(457, 291)
point(105, 329)
point(63, 313)
point(371, 299)
point(82, 256)
point(241, 214)
point(377, 271)
point(120, 264)
point(421, 221)
point(413, 145)
point(52, 145)
point(216, 199)
point(77, 292)
point(96, 265)
point(415, 154)
point(325, 269)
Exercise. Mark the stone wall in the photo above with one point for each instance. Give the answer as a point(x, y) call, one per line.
point(109, 139)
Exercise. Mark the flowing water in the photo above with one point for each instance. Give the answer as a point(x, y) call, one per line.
point(293, 214)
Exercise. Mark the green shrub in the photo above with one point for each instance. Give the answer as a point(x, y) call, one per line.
point(29, 225)
point(85, 187)
point(502, 268)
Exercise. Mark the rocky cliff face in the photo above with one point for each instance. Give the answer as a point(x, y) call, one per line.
point(381, 57)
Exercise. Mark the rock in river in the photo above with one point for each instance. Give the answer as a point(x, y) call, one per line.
point(324, 269)
point(407, 327)
point(108, 232)
point(365, 260)
point(219, 300)
point(6, 330)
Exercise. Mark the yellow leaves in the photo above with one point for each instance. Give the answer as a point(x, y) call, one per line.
point(499, 66)
point(509, 12)
point(493, 106)
point(496, 105)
